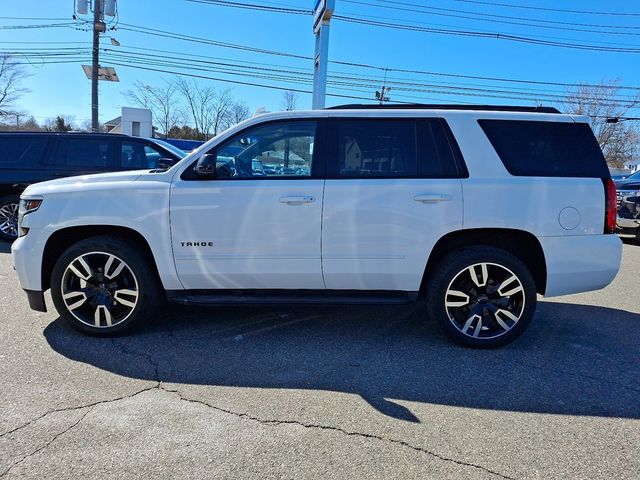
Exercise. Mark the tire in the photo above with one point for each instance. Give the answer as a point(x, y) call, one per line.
point(481, 296)
point(102, 286)
point(9, 217)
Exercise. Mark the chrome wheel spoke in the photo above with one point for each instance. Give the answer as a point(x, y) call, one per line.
point(456, 298)
point(87, 274)
point(126, 297)
point(506, 313)
point(102, 312)
point(479, 274)
point(513, 283)
point(469, 322)
point(75, 299)
point(107, 267)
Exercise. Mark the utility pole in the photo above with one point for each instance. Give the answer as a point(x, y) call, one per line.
point(98, 28)
point(322, 15)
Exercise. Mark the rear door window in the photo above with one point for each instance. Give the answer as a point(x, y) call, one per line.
point(546, 149)
point(23, 151)
point(90, 154)
point(374, 148)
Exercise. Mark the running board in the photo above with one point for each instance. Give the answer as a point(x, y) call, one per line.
point(270, 297)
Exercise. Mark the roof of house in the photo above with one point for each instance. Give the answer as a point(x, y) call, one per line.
point(115, 121)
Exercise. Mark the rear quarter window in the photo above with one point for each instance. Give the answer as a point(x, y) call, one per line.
point(546, 149)
point(26, 151)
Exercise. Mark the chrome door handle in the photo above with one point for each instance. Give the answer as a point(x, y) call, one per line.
point(432, 198)
point(297, 200)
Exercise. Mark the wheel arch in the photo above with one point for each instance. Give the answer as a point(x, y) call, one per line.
point(519, 243)
point(62, 239)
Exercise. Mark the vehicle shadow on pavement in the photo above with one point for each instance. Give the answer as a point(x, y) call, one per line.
point(5, 247)
point(573, 360)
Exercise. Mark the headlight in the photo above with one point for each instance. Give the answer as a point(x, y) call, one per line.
point(27, 205)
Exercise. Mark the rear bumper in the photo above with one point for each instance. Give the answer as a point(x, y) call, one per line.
point(36, 300)
point(580, 263)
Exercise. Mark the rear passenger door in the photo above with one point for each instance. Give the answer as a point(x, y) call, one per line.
point(393, 189)
point(77, 154)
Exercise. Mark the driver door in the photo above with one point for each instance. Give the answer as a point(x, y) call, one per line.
point(256, 224)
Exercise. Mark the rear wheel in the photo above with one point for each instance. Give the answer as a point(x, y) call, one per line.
point(102, 286)
point(9, 217)
point(482, 296)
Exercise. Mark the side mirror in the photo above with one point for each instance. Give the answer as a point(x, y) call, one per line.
point(166, 163)
point(206, 166)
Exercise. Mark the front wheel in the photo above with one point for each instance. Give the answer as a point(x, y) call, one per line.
point(481, 296)
point(9, 217)
point(103, 286)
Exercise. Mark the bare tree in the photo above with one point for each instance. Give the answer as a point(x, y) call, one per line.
point(61, 123)
point(12, 76)
point(238, 112)
point(222, 107)
point(163, 101)
point(289, 100)
point(620, 142)
point(208, 107)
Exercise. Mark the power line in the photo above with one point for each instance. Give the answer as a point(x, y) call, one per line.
point(494, 35)
point(33, 26)
point(398, 84)
point(201, 40)
point(283, 73)
point(501, 19)
point(255, 6)
point(443, 31)
point(547, 9)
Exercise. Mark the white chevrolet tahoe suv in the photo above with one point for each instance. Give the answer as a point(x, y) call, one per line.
point(473, 210)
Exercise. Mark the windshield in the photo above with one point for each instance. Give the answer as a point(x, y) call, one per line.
point(172, 148)
point(634, 176)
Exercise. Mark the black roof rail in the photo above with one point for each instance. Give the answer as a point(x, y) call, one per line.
point(435, 106)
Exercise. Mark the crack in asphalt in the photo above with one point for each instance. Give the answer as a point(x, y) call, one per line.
point(47, 444)
point(77, 407)
point(342, 431)
point(244, 416)
point(155, 365)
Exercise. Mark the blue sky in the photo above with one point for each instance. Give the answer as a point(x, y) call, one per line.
point(64, 89)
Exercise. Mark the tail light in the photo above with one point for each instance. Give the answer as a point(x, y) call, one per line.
point(611, 206)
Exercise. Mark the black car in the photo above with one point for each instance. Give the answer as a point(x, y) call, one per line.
point(629, 204)
point(27, 158)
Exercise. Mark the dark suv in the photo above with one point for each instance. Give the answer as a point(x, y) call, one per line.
point(629, 205)
point(27, 158)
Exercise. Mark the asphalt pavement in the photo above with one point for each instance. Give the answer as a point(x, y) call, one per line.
point(323, 392)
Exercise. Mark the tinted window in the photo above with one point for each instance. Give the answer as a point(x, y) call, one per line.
point(376, 148)
point(29, 151)
point(91, 153)
point(546, 149)
point(138, 155)
point(275, 150)
point(436, 153)
point(133, 156)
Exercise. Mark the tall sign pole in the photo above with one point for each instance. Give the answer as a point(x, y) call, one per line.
point(98, 28)
point(321, 16)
